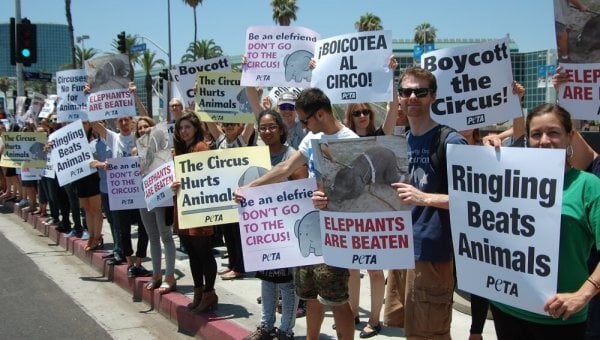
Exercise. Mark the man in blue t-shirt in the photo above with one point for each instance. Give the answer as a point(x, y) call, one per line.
point(430, 286)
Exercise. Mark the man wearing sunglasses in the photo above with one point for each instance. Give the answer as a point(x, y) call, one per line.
point(319, 284)
point(432, 279)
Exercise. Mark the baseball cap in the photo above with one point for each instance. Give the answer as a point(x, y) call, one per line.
point(287, 98)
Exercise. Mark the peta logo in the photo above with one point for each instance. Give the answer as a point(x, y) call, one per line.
point(476, 119)
point(348, 95)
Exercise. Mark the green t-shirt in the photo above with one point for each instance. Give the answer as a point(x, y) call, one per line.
point(579, 229)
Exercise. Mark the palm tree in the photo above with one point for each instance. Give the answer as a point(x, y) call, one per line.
point(425, 34)
point(194, 4)
point(81, 55)
point(148, 62)
point(71, 29)
point(203, 49)
point(368, 22)
point(284, 11)
point(5, 85)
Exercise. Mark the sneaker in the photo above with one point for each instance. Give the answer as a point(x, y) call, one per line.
point(261, 334)
point(284, 336)
point(132, 271)
point(74, 233)
point(143, 272)
point(85, 235)
point(23, 203)
point(50, 221)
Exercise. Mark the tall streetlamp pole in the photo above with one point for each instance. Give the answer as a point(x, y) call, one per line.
point(81, 39)
point(19, 66)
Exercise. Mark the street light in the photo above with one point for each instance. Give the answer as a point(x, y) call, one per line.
point(81, 38)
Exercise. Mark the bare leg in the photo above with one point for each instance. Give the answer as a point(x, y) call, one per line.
point(377, 291)
point(315, 313)
point(344, 321)
point(354, 291)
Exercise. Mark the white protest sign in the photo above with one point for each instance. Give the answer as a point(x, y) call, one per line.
point(31, 174)
point(157, 186)
point(278, 56)
point(37, 102)
point(505, 211)
point(220, 98)
point(71, 153)
point(276, 92)
point(72, 103)
point(48, 108)
point(373, 240)
point(48, 171)
point(279, 226)
point(124, 182)
point(110, 104)
point(184, 75)
point(581, 96)
point(474, 85)
point(354, 68)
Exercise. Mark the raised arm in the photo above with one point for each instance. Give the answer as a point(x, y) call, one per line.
point(138, 102)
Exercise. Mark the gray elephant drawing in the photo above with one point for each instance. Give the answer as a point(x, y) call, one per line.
point(251, 174)
point(308, 232)
point(37, 151)
point(244, 103)
point(296, 66)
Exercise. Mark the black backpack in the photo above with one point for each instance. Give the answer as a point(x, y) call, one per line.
point(437, 157)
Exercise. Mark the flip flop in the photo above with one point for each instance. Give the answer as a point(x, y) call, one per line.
point(153, 284)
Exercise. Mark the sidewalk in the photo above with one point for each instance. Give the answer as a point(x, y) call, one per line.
point(238, 312)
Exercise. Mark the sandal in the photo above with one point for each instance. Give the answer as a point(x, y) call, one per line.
point(374, 330)
point(166, 288)
point(153, 284)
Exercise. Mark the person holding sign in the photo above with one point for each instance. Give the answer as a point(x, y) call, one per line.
point(273, 133)
point(550, 126)
point(430, 286)
point(188, 138)
point(318, 284)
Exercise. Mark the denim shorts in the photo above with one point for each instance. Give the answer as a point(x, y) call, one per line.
point(326, 283)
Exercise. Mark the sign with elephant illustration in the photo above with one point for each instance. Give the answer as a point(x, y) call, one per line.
point(354, 68)
point(24, 149)
point(207, 181)
point(220, 98)
point(278, 56)
point(279, 226)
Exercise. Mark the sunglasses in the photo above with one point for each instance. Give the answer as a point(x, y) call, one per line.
point(175, 105)
point(363, 112)
point(287, 107)
point(270, 128)
point(419, 92)
point(305, 120)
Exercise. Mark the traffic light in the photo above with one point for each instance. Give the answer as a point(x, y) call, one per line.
point(26, 46)
point(122, 42)
point(164, 74)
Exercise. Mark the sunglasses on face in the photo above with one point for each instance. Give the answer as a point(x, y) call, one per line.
point(287, 107)
point(363, 112)
point(270, 128)
point(175, 105)
point(419, 92)
point(305, 120)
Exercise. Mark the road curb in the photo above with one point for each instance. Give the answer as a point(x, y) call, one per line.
point(172, 306)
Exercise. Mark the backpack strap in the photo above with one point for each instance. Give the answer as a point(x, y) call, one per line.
point(437, 157)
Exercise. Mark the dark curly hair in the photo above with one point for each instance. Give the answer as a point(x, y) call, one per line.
point(181, 147)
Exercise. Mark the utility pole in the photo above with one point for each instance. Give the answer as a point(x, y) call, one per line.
point(18, 66)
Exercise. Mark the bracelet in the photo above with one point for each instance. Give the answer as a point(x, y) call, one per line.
point(593, 282)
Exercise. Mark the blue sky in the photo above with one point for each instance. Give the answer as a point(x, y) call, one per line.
point(530, 23)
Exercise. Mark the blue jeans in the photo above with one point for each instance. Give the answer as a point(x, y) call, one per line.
point(289, 302)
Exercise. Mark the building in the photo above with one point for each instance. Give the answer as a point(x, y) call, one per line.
point(53, 47)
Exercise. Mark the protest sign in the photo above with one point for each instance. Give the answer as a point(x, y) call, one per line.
point(71, 153)
point(48, 170)
point(49, 106)
point(110, 104)
point(153, 149)
point(72, 103)
point(24, 149)
point(21, 115)
point(157, 186)
point(208, 179)
point(474, 85)
point(184, 75)
point(220, 98)
point(278, 56)
point(357, 172)
point(31, 174)
point(354, 68)
point(279, 226)
point(37, 102)
point(581, 96)
point(378, 240)
point(577, 30)
point(278, 91)
point(124, 182)
point(505, 211)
